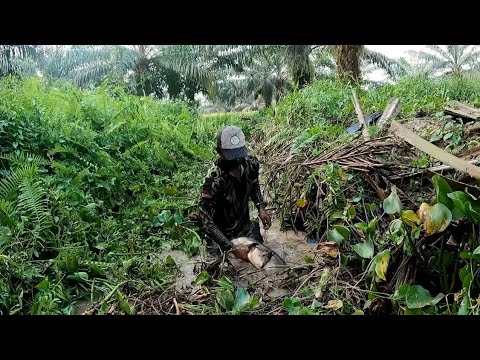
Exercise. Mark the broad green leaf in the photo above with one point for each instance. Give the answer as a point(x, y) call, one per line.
point(343, 260)
point(351, 212)
point(392, 204)
point(435, 218)
point(43, 285)
point(409, 311)
point(358, 312)
point(381, 264)
point(302, 311)
point(467, 280)
point(126, 308)
point(371, 226)
point(476, 251)
point(241, 299)
point(253, 303)
point(466, 276)
point(291, 303)
point(202, 278)
point(362, 226)
point(78, 276)
point(365, 249)
point(408, 247)
point(225, 299)
point(418, 297)
point(178, 218)
point(339, 234)
point(410, 218)
point(474, 211)
point(442, 190)
point(460, 201)
point(401, 293)
point(169, 261)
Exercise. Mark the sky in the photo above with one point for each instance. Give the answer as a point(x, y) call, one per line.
point(392, 51)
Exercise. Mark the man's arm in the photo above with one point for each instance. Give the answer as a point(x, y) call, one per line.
point(207, 212)
point(256, 194)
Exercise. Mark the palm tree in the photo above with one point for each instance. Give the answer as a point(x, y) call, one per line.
point(151, 69)
point(268, 74)
point(349, 60)
point(449, 59)
point(10, 53)
point(300, 64)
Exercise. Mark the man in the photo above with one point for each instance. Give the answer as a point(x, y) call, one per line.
point(228, 187)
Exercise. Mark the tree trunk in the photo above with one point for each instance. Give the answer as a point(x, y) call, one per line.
point(347, 60)
point(300, 64)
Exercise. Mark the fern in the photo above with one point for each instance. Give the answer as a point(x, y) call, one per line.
point(12, 181)
point(23, 158)
point(32, 202)
point(7, 208)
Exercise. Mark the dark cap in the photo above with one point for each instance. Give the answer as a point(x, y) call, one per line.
point(231, 141)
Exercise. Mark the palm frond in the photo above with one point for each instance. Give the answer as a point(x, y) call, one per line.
point(10, 52)
point(380, 61)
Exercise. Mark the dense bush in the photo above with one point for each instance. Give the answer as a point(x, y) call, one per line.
point(86, 180)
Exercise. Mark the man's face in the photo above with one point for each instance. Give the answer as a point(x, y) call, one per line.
point(230, 164)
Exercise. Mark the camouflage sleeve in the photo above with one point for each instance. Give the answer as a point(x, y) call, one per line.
point(255, 193)
point(210, 190)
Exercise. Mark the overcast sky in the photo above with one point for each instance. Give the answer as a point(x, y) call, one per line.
point(393, 51)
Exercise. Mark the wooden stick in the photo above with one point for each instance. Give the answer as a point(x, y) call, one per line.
point(361, 118)
point(392, 109)
point(435, 151)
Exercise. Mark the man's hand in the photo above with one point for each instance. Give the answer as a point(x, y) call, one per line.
point(263, 215)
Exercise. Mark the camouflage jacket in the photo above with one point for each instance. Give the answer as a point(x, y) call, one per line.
point(224, 209)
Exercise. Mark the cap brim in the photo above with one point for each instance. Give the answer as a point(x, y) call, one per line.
point(233, 154)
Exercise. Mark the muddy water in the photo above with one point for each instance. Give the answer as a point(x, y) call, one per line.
point(188, 267)
point(289, 246)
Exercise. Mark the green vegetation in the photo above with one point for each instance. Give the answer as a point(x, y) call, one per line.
point(96, 181)
point(87, 181)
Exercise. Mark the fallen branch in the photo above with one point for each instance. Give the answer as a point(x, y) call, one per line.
point(176, 306)
point(463, 111)
point(472, 129)
point(361, 118)
point(435, 151)
point(434, 169)
point(392, 109)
